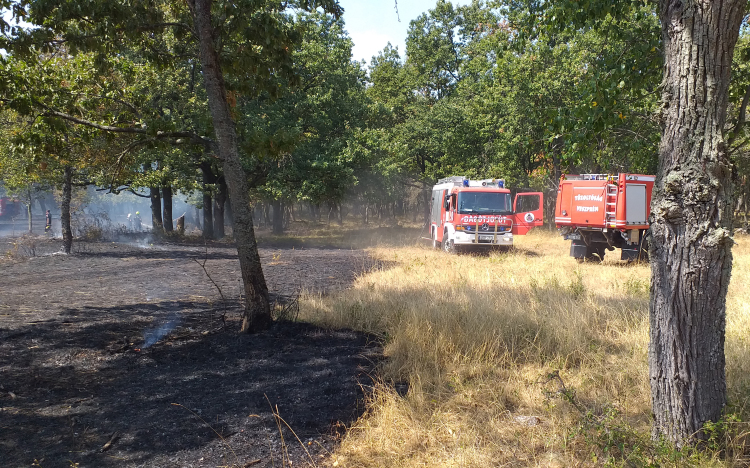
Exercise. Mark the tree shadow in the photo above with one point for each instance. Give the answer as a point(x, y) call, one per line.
point(200, 392)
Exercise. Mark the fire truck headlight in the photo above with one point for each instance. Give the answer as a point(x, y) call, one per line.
point(459, 228)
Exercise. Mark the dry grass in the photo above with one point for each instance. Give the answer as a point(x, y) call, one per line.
point(481, 341)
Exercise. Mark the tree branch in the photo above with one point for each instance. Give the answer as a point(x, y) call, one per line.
point(207, 142)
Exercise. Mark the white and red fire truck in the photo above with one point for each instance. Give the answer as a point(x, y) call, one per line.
point(600, 212)
point(479, 213)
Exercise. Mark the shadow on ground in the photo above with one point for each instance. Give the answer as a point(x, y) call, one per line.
point(75, 374)
point(200, 396)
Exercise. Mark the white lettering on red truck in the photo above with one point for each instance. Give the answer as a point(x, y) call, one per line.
point(483, 219)
point(588, 197)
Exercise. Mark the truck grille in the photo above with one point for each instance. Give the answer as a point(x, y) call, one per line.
point(486, 229)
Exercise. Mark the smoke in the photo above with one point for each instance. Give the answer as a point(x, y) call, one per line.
point(95, 214)
point(153, 335)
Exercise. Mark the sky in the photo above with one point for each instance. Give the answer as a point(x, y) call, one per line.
point(371, 24)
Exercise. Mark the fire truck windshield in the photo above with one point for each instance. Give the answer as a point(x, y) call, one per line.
point(484, 203)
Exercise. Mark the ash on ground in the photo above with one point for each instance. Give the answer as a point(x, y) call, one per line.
point(77, 384)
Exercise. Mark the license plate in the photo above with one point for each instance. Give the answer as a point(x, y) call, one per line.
point(575, 236)
point(485, 238)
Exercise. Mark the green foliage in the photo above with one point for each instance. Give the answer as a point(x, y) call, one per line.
point(576, 287)
point(636, 287)
point(127, 74)
point(605, 435)
point(517, 89)
point(489, 90)
point(298, 140)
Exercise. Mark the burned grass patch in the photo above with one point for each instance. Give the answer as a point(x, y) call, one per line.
point(118, 357)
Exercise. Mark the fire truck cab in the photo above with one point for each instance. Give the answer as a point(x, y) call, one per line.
point(480, 213)
point(601, 212)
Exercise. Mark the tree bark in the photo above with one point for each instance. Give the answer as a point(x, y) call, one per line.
point(208, 216)
point(691, 258)
point(278, 217)
point(219, 204)
point(28, 211)
point(266, 214)
point(290, 212)
point(228, 211)
point(67, 232)
point(156, 221)
point(166, 196)
point(426, 205)
point(257, 314)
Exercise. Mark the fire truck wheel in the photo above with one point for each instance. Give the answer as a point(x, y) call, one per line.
point(448, 245)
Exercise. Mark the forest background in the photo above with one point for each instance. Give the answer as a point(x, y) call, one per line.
point(486, 90)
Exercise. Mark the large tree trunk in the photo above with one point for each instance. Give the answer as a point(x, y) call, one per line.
point(691, 258)
point(166, 197)
point(219, 204)
point(67, 232)
point(156, 221)
point(257, 315)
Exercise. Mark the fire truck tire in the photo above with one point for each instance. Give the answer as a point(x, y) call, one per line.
point(448, 244)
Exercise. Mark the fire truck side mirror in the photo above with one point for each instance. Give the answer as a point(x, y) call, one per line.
point(450, 200)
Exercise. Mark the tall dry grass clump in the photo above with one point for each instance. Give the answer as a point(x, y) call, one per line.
point(524, 358)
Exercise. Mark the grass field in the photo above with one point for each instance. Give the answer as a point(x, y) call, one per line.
point(524, 358)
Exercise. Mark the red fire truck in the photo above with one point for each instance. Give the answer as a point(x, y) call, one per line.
point(600, 212)
point(478, 213)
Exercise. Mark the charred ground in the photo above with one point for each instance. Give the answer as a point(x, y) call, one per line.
point(76, 372)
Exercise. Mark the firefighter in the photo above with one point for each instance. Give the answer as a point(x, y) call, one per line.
point(137, 221)
point(48, 223)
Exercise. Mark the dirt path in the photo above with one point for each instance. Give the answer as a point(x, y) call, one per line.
point(77, 371)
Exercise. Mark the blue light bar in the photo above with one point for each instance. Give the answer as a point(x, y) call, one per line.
point(466, 182)
point(501, 183)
